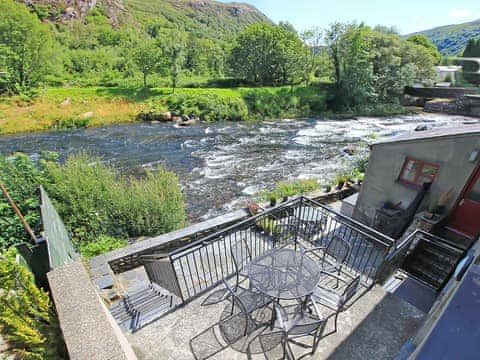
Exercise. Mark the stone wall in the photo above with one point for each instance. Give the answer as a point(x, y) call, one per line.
point(88, 328)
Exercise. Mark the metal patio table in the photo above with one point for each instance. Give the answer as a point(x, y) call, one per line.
point(284, 274)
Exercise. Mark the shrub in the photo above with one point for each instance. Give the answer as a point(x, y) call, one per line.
point(21, 177)
point(208, 106)
point(70, 123)
point(285, 102)
point(27, 318)
point(289, 188)
point(101, 245)
point(94, 200)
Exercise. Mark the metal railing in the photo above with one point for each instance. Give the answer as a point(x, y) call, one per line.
point(203, 264)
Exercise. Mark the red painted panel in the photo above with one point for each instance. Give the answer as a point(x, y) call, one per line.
point(466, 217)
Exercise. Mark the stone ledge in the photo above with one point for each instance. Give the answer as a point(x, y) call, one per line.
point(88, 329)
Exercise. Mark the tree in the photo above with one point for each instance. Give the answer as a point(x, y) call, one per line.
point(422, 40)
point(349, 47)
point(313, 39)
point(267, 54)
point(26, 46)
point(174, 48)
point(147, 57)
point(472, 49)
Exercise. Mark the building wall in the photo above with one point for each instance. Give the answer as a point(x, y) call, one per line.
point(386, 161)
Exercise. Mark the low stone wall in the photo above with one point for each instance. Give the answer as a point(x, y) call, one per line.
point(442, 93)
point(88, 328)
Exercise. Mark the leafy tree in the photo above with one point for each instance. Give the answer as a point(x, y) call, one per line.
point(349, 46)
point(472, 49)
point(267, 54)
point(26, 51)
point(174, 49)
point(422, 40)
point(313, 39)
point(147, 57)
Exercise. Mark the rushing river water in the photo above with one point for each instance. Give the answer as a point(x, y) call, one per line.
point(220, 165)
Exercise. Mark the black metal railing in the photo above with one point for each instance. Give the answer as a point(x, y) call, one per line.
point(201, 265)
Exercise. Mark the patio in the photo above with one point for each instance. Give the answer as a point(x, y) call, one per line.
point(187, 276)
point(375, 326)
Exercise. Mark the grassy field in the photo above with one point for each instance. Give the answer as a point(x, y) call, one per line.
point(63, 108)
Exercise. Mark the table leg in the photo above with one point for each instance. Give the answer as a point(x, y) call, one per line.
point(274, 314)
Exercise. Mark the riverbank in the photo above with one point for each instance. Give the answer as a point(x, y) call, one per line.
point(70, 108)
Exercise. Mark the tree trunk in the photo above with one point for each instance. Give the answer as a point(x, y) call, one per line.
point(144, 80)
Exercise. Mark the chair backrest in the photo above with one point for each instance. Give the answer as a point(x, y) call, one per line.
point(284, 234)
point(236, 301)
point(241, 254)
point(308, 327)
point(351, 289)
point(339, 249)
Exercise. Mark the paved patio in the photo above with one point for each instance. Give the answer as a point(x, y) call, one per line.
point(375, 326)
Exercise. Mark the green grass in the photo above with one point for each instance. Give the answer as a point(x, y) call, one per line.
point(112, 105)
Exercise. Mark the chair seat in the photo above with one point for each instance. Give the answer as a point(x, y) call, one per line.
point(252, 300)
point(293, 319)
point(327, 298)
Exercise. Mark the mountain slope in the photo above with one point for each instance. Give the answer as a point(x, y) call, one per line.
point(205, 18)
point(452, 39)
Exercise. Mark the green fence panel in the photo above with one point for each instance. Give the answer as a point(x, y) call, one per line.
point(60, 247)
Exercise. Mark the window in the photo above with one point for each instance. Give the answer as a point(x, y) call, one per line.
point(418, 172)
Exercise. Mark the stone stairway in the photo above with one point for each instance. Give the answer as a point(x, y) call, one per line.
point(143, 306)
point(432, 262)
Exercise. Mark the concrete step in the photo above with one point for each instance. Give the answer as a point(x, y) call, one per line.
point(143, 306)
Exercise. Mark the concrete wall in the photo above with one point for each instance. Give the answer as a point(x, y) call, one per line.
point(88, 328)
point(451, 153)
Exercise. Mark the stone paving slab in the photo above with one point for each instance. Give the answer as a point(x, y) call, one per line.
point(374, 327)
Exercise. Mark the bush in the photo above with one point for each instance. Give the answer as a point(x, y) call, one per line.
point(27, 318)
point(289, 188)
point(208, 106)
point(101, 245)
point(70, 123)
point(21, 177)
point(94, 200)
point(285, 102)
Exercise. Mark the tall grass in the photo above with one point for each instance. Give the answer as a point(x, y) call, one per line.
point(289, 188)
point(94, 200)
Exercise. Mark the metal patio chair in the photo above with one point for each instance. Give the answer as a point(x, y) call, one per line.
point(238, 317)
point(294, 324)
point(284, 235)
point(333, 256)
point(241, 256)
point(333, 299)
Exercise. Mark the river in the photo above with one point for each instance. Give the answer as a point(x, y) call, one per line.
point(220, 165)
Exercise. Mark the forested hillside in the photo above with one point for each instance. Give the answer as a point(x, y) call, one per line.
point(205, 18)
point(452, 39)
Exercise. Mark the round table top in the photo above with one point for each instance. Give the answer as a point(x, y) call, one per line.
point(307, 214)
point(284, 274)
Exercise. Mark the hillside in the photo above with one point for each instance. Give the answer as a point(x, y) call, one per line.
point(206, 18)
point(452, 39)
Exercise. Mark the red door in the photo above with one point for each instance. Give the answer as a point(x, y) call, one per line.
point(465, 219)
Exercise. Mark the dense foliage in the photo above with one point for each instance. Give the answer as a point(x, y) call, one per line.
point(373, 65)
point(208, 107)
point(27, 319)
point(21, 177)
point(26, 47)
point(267, 54)
point(93, 200)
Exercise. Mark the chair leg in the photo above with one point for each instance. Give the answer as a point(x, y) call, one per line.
point(336, 320)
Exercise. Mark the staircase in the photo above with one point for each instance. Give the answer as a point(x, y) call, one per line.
point(432, 261)
point(143, 306)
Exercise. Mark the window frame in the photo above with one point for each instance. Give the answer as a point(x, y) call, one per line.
point(422, 164)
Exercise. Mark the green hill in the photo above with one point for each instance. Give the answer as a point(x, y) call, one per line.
point(205, 18)
point(452, 39)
